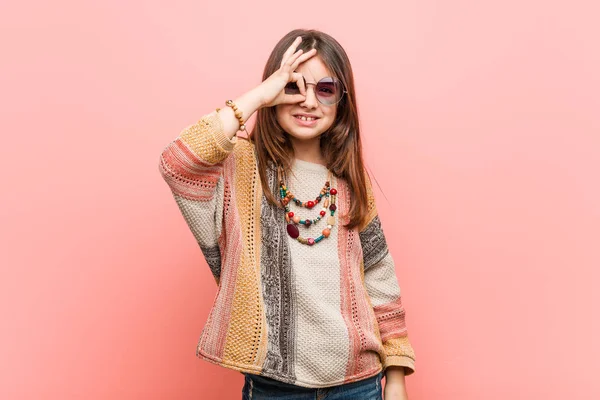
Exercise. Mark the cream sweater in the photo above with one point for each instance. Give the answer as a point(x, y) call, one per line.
point(313, 316)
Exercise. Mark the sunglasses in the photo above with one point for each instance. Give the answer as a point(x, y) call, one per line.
point(329, 91)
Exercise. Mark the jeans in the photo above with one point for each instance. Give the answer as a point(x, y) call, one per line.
point(258, 387)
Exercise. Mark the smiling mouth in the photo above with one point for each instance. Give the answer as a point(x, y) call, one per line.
point(303, 118)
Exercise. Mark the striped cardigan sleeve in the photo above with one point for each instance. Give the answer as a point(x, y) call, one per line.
point(383, 289)
point(192, 167)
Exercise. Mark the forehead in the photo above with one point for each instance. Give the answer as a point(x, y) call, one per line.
point(314, 69)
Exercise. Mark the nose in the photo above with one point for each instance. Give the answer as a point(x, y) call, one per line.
point(310, 101)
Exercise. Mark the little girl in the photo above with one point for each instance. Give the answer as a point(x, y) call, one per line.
point(308, 303)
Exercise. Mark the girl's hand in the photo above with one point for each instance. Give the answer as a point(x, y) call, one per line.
point(395, 391)
point(272, 89)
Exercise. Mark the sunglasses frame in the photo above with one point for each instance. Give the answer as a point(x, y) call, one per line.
point(335, 80)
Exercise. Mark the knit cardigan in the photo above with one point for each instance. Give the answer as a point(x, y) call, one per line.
point(216, 184)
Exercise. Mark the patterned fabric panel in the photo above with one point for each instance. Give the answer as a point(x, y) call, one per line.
point(276, 275)
point(373, 243)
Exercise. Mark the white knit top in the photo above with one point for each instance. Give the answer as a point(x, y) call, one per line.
point(316, 273)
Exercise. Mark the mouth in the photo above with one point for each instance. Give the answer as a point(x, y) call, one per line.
point(304, 120)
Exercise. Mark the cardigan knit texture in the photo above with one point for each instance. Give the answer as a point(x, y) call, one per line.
point(313, 316)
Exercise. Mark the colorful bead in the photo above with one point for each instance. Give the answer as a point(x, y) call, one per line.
point(333, 192)
point(293, 231)
point(326, 232)
point(311, 241)
point(291, 214)
point(332, 207)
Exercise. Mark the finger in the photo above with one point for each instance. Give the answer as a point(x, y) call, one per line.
point(290, 50)
point(299, 79)
point(293, 58)
point(303, 58)
point(293, 98)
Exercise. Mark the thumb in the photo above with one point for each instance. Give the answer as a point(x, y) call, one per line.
point(293, 98)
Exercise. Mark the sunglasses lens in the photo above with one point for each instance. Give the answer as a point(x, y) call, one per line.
point(329, 91)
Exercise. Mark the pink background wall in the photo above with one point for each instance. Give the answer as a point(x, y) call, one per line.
point(481, 124)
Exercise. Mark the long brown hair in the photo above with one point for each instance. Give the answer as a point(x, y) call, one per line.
point(340, 144)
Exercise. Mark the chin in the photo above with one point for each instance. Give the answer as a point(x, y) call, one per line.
point(303, 134)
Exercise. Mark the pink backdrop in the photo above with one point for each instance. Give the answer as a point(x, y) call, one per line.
point(481, 124)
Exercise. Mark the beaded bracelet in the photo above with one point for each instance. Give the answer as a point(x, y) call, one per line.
point(237, 112)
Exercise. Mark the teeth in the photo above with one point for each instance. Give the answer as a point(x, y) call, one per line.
point(303, 118)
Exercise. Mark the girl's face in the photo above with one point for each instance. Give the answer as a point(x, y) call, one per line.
point(313, 70)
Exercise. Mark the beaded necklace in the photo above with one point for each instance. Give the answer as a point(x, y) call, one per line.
point(293, 220)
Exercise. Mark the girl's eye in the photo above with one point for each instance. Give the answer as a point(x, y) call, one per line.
point(292, 87)
point(327, 88)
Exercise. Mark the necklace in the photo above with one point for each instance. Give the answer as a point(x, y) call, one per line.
point(293, 220)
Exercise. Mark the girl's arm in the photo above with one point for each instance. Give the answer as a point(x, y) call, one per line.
point(248, 103)
point(192, 165)
point(382, 286)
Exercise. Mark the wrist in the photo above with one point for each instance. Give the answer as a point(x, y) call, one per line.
point(251, 100)
point(395, 374)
